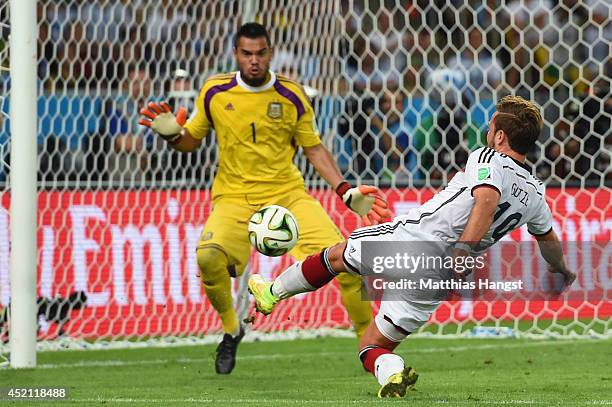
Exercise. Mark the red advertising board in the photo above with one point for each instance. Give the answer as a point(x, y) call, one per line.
point(133, 253)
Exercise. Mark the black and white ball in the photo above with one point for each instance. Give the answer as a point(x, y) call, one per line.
point(273, 230)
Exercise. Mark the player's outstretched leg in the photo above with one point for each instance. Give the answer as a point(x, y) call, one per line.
point(217, 284)
point(378, 358)
point(262, 291)
point(308, 275)
point(398, 384)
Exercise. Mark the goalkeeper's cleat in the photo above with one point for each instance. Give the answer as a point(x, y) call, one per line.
point(262, 291)
point(399, 383)
point(225, 359)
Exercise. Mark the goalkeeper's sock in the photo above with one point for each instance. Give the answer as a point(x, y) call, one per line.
point(229, 322)
point(304, 276)
point(381, 362)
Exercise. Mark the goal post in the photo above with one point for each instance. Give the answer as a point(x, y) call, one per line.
point(23, 185)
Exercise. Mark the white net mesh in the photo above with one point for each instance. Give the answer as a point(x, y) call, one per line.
point(403, 91)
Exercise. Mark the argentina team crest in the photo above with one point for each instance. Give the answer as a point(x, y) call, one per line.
point(275, 110)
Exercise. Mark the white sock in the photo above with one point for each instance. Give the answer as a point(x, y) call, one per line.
point(291, 282)
point(387, 365)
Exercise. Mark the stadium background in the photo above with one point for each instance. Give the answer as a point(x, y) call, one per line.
point(403, 90)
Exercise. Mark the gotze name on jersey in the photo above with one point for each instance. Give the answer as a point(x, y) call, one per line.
point(428, 284)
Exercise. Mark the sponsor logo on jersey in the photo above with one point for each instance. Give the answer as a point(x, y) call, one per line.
point(207, 236)
point(275, 110)
point(484, 173)
point(229, 106)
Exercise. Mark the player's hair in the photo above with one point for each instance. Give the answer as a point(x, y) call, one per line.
point(521, 120)
point(252, 31)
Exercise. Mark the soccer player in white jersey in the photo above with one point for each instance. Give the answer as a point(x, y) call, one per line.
point(495, 194)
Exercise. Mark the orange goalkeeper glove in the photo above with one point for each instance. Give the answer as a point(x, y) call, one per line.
point(163, 121)
point(366, 201)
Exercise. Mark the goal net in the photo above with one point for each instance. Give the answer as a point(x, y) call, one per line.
point(403, 90)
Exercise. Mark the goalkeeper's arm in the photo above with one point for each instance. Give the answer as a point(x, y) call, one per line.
point(364, 200)
point(160, 119)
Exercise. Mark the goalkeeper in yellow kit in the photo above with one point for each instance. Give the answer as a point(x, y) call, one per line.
point(259, 119)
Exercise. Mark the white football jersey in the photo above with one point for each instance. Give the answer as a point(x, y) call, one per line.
point(522, 200)
point(444, 217)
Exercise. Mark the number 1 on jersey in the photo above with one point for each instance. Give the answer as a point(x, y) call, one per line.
point(253, 132)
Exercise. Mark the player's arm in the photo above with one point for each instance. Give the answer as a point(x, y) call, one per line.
point(541, 227)
point(552, 252)
point(486, 199)
point(479, 221)
point(364, 200)
point(484, 179)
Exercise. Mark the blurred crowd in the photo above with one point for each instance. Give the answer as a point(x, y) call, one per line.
point(438, 67)
point(403, 89)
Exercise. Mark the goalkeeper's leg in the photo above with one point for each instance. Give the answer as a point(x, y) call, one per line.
point(223, 251)
point(358, 309)
point(213, 265)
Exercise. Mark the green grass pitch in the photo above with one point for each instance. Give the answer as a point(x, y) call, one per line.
point(326, 372)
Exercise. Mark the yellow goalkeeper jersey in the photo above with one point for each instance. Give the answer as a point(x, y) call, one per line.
point(258, 130)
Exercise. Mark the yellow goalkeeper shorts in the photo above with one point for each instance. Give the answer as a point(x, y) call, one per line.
point(226, 226)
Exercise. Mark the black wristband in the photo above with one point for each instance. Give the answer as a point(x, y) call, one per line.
point(342, 188)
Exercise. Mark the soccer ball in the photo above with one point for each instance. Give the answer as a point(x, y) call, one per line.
point(273, 230)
